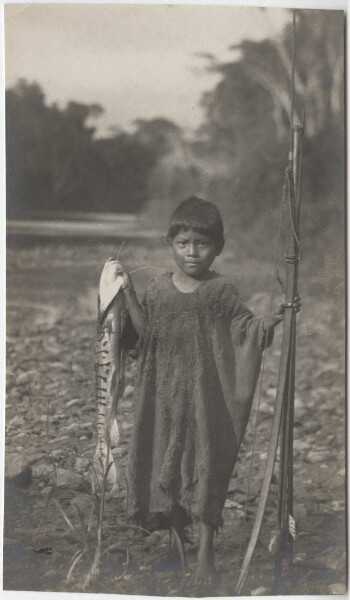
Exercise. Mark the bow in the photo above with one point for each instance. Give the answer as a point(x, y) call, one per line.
point(282, 425)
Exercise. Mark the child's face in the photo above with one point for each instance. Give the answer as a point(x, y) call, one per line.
point(193, 252)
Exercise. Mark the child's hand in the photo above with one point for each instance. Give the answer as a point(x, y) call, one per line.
point(274, 320)
point(120, 271)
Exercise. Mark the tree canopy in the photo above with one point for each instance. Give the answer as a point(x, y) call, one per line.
point(236, 158)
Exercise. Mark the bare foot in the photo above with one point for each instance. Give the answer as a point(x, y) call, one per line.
point(204, 574)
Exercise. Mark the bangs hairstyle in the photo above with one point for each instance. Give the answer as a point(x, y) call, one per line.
point(198, 215)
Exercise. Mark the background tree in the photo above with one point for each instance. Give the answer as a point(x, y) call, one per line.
point(55, 162)
point(236, 158)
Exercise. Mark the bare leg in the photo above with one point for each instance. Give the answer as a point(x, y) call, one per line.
point(177, 541)
point(178, 536)
point(206, 567)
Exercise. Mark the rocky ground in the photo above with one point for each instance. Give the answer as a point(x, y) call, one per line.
point(51, 502)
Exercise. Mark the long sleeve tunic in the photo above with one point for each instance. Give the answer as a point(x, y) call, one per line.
point(200, 356)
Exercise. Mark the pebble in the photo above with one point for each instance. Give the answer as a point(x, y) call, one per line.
point(81, 463)
point(71, 426)
point(15, 394)
point(62, 438)
point(129, 389)
point(83, 502)
point(233, 486)
point(52, 387)
point(119, 452)
point(58, 453)
point(127, 405)
point(23, 479)
point(265, 409)
point(153, 539)
point(57, 365)
point(337, 505)
point(37, 456)
point(315, 456)
point(73, 402)
point(260, 591)
point(127, 426)
point(301, 445)
point(42, 470)
point(233, 505)
point(16, 421)
point(14, 465)
point(69, 479)
point(23, 378)
point(311, 426)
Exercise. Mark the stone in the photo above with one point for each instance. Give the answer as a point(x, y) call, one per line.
point(153, 540)
point(23, 378)
point(70, 480)
point(82, 464)
point(14, 465)
point(83, 502)
point(315, 456)
point(129, 390)
point(127, 426)
point(311, 426)
point(265, 409)
point(15, 394)
point(301, 445)
point(37, 456)
point(58, 453)
point(62, 438)
point(21, 474)
point(127, 405)
point(120, 451)
point(233, 505)
point(73, 402)
point(40, 470)
point(260, 591)
point(233, 486)
point(337, 505)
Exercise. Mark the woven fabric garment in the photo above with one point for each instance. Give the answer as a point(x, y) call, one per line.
point(199, 360)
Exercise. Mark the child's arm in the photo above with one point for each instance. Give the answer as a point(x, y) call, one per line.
point(136, 313)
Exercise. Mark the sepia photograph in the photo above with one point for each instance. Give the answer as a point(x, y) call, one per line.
point(175, 420)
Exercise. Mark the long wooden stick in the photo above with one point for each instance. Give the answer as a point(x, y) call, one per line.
point(284, 551)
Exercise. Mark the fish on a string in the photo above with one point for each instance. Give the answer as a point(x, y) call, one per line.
point(109, 370)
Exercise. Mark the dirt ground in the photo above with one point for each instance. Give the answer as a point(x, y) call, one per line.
point(50, 438)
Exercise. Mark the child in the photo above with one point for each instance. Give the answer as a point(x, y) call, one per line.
point(200, 352)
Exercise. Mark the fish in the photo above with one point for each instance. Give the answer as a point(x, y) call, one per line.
point(109, 370)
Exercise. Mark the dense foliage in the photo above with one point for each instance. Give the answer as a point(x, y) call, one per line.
point(55, 163)
point(237, 157)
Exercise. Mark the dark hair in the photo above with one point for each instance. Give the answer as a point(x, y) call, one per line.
point(199, 215)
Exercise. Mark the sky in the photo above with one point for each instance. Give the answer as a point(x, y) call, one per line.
point(137, 61)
